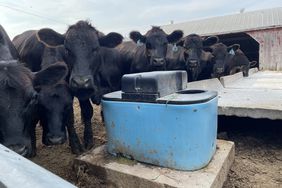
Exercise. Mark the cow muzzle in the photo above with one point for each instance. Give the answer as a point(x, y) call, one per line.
point(52, 139)
point(158, 62)
point(192, 64)
point(20, 149)
point(219, 70)
point(56, 140)
point(82, 82)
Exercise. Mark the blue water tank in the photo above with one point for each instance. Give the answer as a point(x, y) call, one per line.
point(177, 130)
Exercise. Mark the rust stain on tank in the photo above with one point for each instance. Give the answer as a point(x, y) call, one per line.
point(152, 151)
point(138, 142)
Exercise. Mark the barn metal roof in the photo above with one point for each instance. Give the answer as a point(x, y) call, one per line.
point(247, 21)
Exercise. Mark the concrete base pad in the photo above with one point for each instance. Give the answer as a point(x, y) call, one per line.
point(121, 172)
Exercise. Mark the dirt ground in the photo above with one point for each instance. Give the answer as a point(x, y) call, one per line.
point(258, 152)
point(258, 158)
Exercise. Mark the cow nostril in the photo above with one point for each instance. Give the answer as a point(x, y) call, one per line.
point(74, 82)
point(54, 140)
point(219, 70)
point(83, 82)
point(87, 82)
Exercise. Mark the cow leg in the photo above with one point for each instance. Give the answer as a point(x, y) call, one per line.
point(86, 114)
point(102, 114)
point(97, 99)
point(33, 121)
point(74, 142)
point(33, 142)
point(245, 70)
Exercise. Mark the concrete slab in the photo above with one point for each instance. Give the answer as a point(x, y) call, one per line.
point(254, 103)
point(120, 172)
point(226, 80)
point(256, 96)
point(253, 70)
point(258, 80)
point(210, 84)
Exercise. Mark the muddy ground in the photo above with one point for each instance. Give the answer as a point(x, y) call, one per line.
point(258, 148)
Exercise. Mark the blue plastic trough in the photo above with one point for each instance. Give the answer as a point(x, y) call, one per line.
point(176, 131)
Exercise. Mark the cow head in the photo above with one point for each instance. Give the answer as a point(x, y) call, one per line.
point(222, 55)
point(82, 44)
point(19, 102)
point(194, 54)
point(156, 42)
point(55, 107)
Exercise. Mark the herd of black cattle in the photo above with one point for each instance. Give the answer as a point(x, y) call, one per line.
point(41, 71)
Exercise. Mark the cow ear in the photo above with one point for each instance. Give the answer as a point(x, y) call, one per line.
point(50, 37)
point(175, 36)
point(110, 40)
point(137, 36)
point(233, 47)
point(50, 75)
point(1, 38)
point(211, 40)
point(253, 63)
point(180, 42)
point(207, 49)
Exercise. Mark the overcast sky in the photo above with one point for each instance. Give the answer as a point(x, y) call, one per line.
point(116, 15)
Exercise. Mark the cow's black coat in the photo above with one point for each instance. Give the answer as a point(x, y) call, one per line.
point(189, 55)
point(148, 52)
point(19, 98)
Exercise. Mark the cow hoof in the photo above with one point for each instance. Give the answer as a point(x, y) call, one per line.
point(32, 154)
point(76, 147)
point(88, 145)
point(77, 150)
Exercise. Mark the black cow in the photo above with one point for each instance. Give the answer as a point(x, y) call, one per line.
point(189, 55)
point(31, 48)
point(55, 102)
point(56, 106)
point(148, 53)
point(92, 65)
point(228, 60)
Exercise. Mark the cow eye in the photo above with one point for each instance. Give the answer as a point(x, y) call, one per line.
point(31, 102)
point(55, 95)
point(68, 52)
point(186, 55)
point(95, 49)
point(148, 46)
point(68, 107)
